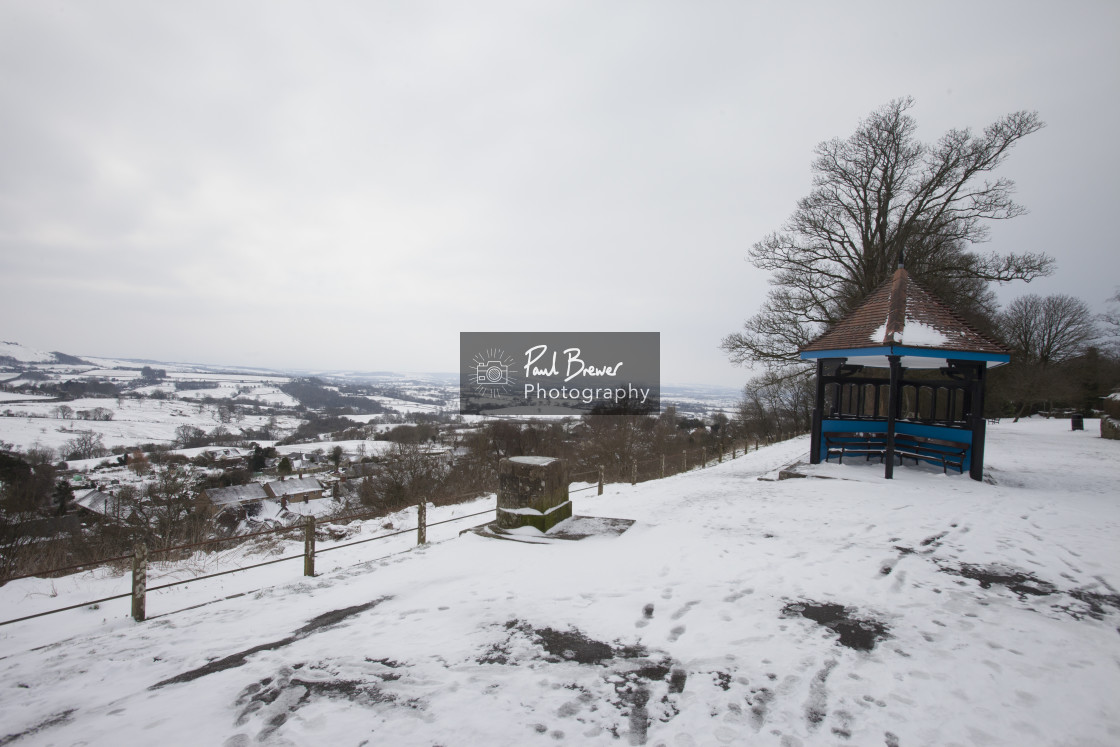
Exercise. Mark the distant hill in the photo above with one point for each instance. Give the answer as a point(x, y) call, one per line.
point(14, 354)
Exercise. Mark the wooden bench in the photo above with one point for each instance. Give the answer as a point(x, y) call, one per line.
point(919, 448)
point(932, 450)
point(866, 445)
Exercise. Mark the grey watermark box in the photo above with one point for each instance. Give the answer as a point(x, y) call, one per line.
point(559, 373)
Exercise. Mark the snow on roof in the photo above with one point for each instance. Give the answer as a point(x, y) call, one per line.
point(914, 333)
point(534, 460)
point(901, 312)
point(254, 491)
point(294, 486)
point(101, 503)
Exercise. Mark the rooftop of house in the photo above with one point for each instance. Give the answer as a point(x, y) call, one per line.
point(253, 491)
point(294, 486)
point(105, 504)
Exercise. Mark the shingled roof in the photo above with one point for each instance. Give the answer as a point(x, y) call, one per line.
point(900, 313)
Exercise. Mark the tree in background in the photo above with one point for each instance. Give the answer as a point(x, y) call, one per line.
point(1110, 325)
point(774, 405)
point(336, 456)
point(284, 468)
point(190, 436)
point(407, 476)
point(87, 445)
point(63, 496)
point(258, 460)
point(875, 194)
point(139, 463)
point(1044, 333)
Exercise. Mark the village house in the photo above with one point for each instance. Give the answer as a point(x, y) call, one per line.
point(295, 489)
point(235, 498)
point(104, 506)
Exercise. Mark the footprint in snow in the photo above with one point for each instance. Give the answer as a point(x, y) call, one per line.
point(676, 633)
point(647, 615)
point(738, 595)
point(684, 610)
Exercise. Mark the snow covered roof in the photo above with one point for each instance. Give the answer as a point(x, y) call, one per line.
point(901, 313)
point(294, 486)
point(254, 491)
point(538, 461)
point(105, 504)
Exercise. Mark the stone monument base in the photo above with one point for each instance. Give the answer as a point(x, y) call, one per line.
point(532, 492)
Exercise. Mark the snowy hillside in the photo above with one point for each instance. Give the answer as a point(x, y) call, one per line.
point(958, 613)
point(13, 351)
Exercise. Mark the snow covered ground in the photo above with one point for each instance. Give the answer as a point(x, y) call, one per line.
point(135, 421)
point(15, 397)
point(961, 613)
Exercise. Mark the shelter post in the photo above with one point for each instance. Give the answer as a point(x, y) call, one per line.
point(818, 408)
point(979, 424)
point(893, 402)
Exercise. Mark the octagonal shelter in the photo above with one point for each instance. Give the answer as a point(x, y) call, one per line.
point(935, 416)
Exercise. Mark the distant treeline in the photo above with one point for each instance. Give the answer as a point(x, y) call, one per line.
point(312, 394)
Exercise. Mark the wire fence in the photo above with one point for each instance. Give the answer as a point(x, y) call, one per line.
point(658, 467)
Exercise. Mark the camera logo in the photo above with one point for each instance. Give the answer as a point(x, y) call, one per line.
point(492, 373)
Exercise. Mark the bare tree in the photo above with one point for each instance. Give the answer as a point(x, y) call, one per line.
point(408, 475)
point(1043, 333)
point(876, 194)
point(165, 507)
point(87, 445)
point(1047, 330)
point(774, 404)
point(1110, 325)
point(190, 436)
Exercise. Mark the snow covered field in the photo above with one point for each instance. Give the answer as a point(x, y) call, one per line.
point(135, 421)
point(961, 613)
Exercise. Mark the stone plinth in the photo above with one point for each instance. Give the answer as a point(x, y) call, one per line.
point(532, 492)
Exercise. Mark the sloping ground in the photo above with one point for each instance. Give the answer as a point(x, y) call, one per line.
point(926, 610)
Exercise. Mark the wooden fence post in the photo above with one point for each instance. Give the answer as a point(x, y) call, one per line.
point(600, 479)
point(662, 466)
point(139, 581)
point(721, 452)
point(684, 460)
point(309, 546)
point(703, 457)
point(634, 472)
point(422, 523)
point(732, 450)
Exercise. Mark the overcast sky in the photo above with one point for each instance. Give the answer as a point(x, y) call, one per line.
point(350, 185)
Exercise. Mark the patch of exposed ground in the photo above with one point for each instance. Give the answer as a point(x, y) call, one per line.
point(1084, 603)
point(635, 675)
point(859, 633)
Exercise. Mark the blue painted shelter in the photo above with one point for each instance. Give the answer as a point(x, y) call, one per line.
point(902, 328)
